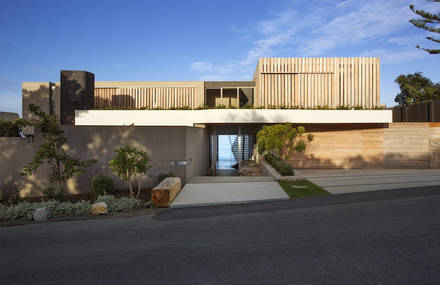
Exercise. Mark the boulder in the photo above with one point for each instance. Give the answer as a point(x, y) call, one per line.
point(40, 214)
point(99, 208)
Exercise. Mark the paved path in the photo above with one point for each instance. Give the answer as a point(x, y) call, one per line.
point(212, 190)
point(384, 237)
point(338, 181)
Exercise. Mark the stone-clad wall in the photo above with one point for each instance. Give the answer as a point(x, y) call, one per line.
point(395, 145)
point(434, 151)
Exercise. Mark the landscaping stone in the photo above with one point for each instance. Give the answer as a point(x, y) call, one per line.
point(99, 208)
point(40, 214)
point(299, 187)
point(164, 193)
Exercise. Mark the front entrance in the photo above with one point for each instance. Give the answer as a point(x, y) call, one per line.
point(229, 146)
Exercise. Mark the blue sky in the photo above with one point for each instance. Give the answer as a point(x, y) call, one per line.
point(201, 40)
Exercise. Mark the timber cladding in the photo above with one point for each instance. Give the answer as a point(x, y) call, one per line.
point(145, 97)
point(395, 145)
point(312, 82)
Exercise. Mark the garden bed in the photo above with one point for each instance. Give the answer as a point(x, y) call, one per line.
point(138, 212)
point(269, 170)
point(25, 211)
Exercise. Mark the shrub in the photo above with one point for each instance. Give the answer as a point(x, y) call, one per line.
point(282, 139)
point(62, 209)
point(129, 163)
point(162, 176)
point(53, 193)
point(10, 192)
point(25, 210)
point(12, 128)
point(119, 205)
point(102, 184)
point(280, 165)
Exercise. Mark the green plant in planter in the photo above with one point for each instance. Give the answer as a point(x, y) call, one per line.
point(280, 165)
point(129, 163)
point(103, 184)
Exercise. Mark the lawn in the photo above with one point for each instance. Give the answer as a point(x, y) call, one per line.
point(310, 190)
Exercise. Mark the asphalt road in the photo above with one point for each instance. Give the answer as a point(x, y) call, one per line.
point(389, 237)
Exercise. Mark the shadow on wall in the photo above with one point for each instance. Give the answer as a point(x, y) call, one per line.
point(38, 94)
point(394, 160)
point(14, 155)
point(162, 144)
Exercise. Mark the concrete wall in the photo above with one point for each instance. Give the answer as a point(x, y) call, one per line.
point(394, 145)
point(15, 153)
point(161, 143)
point(8, 116)
point(37, 93)
point(197, 151)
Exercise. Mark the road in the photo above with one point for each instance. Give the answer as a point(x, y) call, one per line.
point(387, 237)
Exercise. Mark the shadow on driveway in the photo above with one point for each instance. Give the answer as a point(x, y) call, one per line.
point(224, 210)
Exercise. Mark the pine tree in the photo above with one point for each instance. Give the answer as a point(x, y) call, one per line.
point(429, 22)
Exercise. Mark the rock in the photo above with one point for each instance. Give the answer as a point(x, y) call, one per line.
point(40, 214)
point(99, 208)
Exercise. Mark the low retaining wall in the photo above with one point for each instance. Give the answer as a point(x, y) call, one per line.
point(269, 170)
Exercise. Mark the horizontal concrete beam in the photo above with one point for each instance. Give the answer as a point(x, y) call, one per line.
point(221, 116)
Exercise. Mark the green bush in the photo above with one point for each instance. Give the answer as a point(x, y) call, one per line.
point(25, 210)
point(119, 205)
point(280, 165)
point(162, 176)
point(102, 184)
point(52, 193)
point(10, 192)
point(12, 128)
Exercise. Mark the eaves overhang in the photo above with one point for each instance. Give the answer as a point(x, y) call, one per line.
point(189, 118)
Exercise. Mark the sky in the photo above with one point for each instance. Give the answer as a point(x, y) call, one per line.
point(202, 40)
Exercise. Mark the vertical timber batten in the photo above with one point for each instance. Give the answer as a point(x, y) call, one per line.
point(312, 82)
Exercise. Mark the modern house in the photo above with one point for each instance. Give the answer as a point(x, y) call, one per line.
point(179, 123)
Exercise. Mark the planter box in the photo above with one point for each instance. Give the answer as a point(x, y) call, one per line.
point(269, 170)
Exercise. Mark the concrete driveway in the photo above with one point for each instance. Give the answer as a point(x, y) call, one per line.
point(218, 190)
point(338, 181)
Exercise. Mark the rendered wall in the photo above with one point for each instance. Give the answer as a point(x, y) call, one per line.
point(36, 93)
point(162, 144)
point(197, 151)
point(15, 153)
point(395, 145)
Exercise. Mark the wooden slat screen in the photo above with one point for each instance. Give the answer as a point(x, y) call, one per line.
point(311, 82)
point(145, 97)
